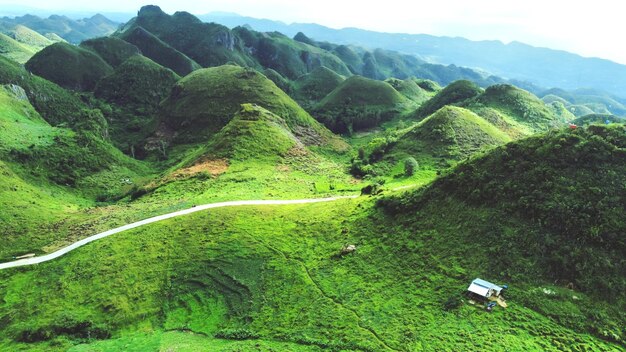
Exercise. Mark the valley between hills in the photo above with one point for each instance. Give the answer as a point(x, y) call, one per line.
point(371, 189)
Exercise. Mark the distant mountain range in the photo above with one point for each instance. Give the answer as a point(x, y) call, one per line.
point(541, 66)
point(73, 31)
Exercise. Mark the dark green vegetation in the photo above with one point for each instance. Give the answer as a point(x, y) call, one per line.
point(461, 184)
point(359, 103)
point(111, 49)
point(160, 52)
point(453, 93)
point(539, 66)
point(543, 210)
point(203, 102)
point(69, 66)
point(603, 119)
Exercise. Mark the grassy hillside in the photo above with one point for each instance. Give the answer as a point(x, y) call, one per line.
point(159, 51)
point(69, 66)
point(410, 88)
point(454, 93)
point(253, 133)
point(601, 119)
point(205, 101)
point(312, 87)
point(542, 210)
point(29, 37)
point(111, 49)
point(450, 134)
point(360, 103)
point(289, 57)
point(521, 106)
point(138, 82)
point(55, 104)
point(13, 50)
point(208, 44)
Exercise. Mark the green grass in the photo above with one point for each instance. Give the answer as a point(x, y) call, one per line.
point(14, 50)
point(159, 51)
point(203, 102)
point(311, 88)
point(111, 49)
point(359, 103)
point(69, 66)
point(274, 273)
point(453, 94)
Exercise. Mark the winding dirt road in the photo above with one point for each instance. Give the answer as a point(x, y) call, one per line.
point(75, 245)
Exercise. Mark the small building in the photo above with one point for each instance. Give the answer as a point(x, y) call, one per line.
point(484, 289)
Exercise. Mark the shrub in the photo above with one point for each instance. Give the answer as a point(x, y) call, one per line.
point(410, 166)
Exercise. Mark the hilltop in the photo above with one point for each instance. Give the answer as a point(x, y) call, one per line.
point(203, 102)
point(314, 86)
point(454, 93)
point(73, 31)
point(83, 72)
point(450, 134)
point(360, 103)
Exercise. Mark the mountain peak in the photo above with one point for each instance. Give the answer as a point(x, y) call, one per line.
point(150, 10)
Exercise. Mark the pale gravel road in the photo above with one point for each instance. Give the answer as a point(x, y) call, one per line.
point(75, 245)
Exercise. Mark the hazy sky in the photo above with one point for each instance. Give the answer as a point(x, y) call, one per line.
point(589, 28)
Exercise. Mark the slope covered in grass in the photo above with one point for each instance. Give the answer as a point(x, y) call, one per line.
point(314, 86)
point(113, 50)
point(360, 103)
point(273, 276)
point(12, 49)
point(205, 101)
point(253, 133)
point(139, 83)
point(541, 210)
point(69, 66)
point(55, 104)
point(453, 94)
point(159, 51)
point(448, 135)
point(521, 106)
point(29, 37)
point(410, 88)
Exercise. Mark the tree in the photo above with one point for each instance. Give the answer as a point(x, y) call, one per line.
point(410, 166)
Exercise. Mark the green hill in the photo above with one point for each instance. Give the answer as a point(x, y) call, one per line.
point(138, 82)
point(410, 89)
point(289, 57)
point(55, 105)
point(279, 80)
point(111, 49)
point(203, 102)
point(159, 51)
point(55, 38)
point(14, 50)
point(314, 86)
point(253, 133)
point(521, 106)
point(598, 119)
point(453, 94)
point(208, 44)
point(29, 37)
point(538, 205)
point(69, 66)
point(359, 103)
point(447, 136)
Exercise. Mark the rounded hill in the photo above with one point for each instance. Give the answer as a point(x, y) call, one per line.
point(69, 66)
point(203, 102)
point(139, 81)
point(113, 50)
point(314, 86)
point(359, 103)
point(253, 132)
point(454, 93)
point(450, 134)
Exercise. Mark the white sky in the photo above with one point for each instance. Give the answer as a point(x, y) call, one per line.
point(589, 28)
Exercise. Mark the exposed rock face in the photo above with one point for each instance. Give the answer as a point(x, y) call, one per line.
point(225, 39)
point(18, 92)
